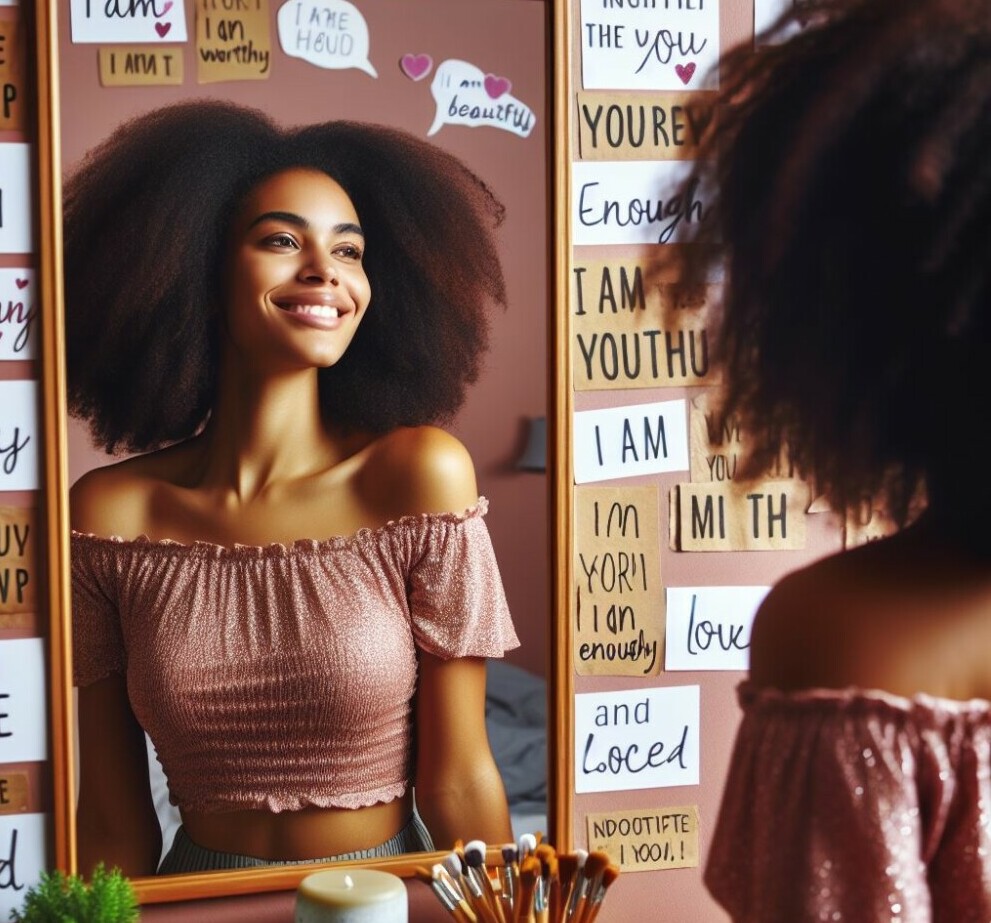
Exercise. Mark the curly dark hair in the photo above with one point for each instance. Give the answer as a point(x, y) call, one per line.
point(146, 217)
point(851, 169)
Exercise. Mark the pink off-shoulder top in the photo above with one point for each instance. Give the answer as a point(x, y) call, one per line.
point(856, 807)
point(279, 677)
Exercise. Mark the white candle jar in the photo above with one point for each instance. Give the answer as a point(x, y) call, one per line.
point(351, 896)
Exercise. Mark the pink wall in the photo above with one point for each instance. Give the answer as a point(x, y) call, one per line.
point(503, 37)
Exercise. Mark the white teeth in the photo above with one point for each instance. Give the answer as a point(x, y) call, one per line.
point(317, 310)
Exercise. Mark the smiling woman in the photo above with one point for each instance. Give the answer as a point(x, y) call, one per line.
point(292, 591)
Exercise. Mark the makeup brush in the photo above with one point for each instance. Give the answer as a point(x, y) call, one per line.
point(550, 887)
point(526, 844)
point(457, 868)
point(577, 882)
point(452, 902)
point(510, 876)
point(609, 875)
point(591, 876)
point(476, 871)
point(529, 875)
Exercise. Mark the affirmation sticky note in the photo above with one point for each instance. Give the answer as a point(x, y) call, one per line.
point(708, 627)
point(619, 600)
point(638, 738)
point(630, 440)
point(648, 839)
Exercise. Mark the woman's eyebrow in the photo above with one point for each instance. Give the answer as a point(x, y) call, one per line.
point(345, 227)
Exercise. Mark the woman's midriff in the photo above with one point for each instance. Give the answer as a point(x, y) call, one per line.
point(310, 833)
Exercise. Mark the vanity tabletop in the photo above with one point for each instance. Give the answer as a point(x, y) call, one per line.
point(276, 907)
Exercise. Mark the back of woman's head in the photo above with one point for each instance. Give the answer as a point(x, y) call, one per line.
point(852, 188)
point(146, 219)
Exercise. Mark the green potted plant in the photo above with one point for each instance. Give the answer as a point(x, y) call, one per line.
point(59, 898)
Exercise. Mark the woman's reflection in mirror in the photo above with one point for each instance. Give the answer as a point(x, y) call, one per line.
point(288, 584)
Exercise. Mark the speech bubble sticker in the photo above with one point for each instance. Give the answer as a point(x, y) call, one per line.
point(331, 34)
point(466, 95)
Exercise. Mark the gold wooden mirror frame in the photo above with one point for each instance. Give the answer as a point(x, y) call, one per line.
point(55, 552)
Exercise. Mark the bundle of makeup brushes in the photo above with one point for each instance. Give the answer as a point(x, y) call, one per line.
point(532, 884)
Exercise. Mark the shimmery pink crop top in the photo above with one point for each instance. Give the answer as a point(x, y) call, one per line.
point(856, 806)
point(278, 677)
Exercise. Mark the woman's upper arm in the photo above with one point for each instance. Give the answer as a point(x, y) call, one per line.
point(117, 823)
point(458, 787)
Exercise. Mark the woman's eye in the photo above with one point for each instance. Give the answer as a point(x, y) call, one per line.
point(282, 240)
point(349, 251)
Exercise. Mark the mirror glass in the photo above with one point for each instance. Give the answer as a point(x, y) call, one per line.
point(410, 49)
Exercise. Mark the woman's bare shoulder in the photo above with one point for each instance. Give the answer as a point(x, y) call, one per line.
point(115, 499)
point(888, 615)
point(419, 469)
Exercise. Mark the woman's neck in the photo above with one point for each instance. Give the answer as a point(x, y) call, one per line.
point(266, 431)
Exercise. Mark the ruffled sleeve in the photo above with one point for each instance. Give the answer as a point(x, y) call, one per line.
point(457, 602)
point(97, 641)
point(854, 806)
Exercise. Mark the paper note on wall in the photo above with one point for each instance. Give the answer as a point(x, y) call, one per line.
point(635, 202)
point(331, 34)
point(140, 65)
point(619, 603)
point(719, 446)
point(17, 557)
point(19, 435)
point(752, 516)
point(868, 523)
point(708, 628)
point(232, 43)
point(648, 839)
point(23, 722)
point(465, 95)
point(128, 21)
point(22, 858)
point(13, 86)
point(632, 330)
point(630, 440)
point(16, 184)
point(638, 738)
point(630, 126)
point(651, 45)
point(18, 313)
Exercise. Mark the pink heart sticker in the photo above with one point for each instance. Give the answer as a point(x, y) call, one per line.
point(496, 86)
point(162, 28)
point(416, 66)
point(20, 283)
point(685, 71)
point(167, 7)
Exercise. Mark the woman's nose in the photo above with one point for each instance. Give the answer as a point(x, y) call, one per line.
point(319, 269)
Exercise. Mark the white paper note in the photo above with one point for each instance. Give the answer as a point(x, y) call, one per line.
point(22, 858)
point(15, 198)
point(620, 442)
point(18, 314)
point(23, 697)
point(19, 436)
point(634, 202)
point(708, 628)
point(157, 22)
point(638, 738)
point(649, 44)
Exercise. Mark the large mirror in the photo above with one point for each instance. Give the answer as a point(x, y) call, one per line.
point(502, 422)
